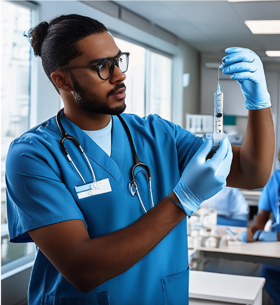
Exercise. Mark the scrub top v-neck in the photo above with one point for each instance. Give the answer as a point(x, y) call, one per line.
point(102, 137)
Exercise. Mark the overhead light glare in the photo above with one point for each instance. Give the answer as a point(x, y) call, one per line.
point(272, 53)
point(263, 26)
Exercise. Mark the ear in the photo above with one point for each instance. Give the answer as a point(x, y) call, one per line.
point(61, 81)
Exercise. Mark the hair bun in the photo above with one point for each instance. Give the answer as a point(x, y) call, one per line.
point(37, 35)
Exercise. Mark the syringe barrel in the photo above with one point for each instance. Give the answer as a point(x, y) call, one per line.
point(218, 117)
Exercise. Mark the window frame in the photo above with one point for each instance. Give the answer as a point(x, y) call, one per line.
point(26, 261)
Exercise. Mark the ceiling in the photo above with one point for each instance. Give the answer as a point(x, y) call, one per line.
point(212, 26)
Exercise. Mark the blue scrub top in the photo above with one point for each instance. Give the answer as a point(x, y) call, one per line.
point(41, 191)
point(269, 197)
point(268, 201)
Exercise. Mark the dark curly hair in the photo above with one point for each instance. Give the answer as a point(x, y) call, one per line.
point(56, 42)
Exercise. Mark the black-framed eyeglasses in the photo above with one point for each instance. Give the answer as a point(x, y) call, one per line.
point(105, 66)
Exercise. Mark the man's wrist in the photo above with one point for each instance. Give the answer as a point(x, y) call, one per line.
point(175, 202)
point(188, 201)
point(250, 105)
point(172, 196)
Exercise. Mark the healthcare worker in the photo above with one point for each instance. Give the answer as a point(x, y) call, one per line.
point(231, 206)
point(107, 232)
point(268, 203)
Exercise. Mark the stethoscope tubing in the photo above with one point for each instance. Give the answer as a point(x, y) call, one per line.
point(136, 162)
point(65, 136)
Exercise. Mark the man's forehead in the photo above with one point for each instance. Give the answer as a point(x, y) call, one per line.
point(98, 46)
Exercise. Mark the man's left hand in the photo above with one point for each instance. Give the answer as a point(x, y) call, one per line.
point(247, 68)
point(261, 235)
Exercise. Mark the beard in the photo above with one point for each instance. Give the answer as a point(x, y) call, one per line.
point(92, 103)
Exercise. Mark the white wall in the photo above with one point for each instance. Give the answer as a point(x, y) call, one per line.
point(48, 101)
point(191, 93)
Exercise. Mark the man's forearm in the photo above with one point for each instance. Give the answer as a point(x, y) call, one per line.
point(120, 250)
point(257, 151)
point(252, 163)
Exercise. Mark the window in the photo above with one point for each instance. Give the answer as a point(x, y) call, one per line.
point(15, 95)
point(159, 95)
point(135, 77)
point(148, 81)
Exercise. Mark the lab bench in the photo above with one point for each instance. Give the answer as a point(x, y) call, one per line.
point(207, 288)
point(255, 252)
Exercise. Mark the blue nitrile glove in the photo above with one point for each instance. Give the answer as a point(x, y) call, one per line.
point(203, 178)
point(266, 235)
point(247, 69)
point(243, 236)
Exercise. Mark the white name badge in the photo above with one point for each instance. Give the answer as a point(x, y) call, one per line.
point(92, 189)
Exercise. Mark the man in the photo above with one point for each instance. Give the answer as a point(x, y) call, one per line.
point(97, 243)
point(268, 203)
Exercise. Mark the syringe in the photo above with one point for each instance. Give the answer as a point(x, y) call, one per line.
point(218, 115)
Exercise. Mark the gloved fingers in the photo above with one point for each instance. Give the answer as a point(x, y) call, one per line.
point(219, 155)
point(237, 49)
point(257, 234)
point(229, 154)
point(240, 67)
point(226, 163)
point(225, 166)
point(221, 183)
point(238, 57)
point(243, 236)
point(229, 148)
point(245, 76)
point(203, 150)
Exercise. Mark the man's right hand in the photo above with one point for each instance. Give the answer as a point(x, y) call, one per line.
point(202, 177)
point(247, 236)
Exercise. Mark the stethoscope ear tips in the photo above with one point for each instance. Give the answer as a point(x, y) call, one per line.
point(132, 188)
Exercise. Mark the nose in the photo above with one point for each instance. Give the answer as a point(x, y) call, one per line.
point(118, 76)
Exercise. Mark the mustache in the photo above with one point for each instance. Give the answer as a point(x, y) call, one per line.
point(113, 91)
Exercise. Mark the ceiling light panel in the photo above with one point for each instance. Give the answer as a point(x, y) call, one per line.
point(263, 26)
point(272, 53)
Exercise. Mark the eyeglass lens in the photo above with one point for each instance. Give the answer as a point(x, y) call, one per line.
point(106, 68)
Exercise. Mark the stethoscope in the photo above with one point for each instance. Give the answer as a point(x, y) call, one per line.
point(133, 187)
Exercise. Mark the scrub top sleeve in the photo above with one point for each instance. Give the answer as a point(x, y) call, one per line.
point(36, 196)
point(268, 194)
point(186, 143)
